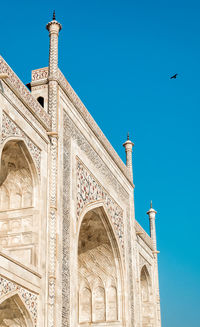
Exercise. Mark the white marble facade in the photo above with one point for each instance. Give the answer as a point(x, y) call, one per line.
point(71, 252)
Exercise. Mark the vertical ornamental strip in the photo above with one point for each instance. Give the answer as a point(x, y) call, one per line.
point(53, 27)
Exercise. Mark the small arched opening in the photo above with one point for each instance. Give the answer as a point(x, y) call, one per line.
point(41, 101)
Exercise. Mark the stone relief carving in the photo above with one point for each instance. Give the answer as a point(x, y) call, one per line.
point(89, 190)
point(9, 128)
point(30, 299)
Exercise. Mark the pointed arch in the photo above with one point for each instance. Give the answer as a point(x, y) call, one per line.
point(146, 301)
point(14, 313)
point(100, 264)
point(19, 185)
point(26, 152)
point(145, 283)
point(99, 206)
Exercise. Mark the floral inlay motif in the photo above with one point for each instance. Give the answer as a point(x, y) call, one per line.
point(9, 128)
point(30, 299)
point(89, 190)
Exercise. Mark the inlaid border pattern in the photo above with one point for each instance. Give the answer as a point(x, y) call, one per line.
point(30, 299)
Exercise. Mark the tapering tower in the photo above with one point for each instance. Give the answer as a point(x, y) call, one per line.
point(53, 27)
point(128, 148)
point(152, 217)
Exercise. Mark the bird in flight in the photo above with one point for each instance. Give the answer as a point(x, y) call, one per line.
point(174, 76)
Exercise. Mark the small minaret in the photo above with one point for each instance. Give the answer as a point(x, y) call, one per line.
point(53, 27)
point(128, 148)
point(152, 217)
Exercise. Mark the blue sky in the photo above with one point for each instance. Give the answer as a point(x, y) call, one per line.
point(118, 56)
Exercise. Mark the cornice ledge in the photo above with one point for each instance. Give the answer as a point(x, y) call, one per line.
point(71, 94)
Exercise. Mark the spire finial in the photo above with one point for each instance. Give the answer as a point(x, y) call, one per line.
point(54, 15)
point(128, 136)
point(151, 204)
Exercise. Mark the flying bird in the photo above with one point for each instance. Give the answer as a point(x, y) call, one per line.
point(174, 76)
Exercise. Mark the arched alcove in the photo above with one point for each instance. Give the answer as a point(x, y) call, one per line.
point(18, 204)
point(146, 303)
point(98, 268)
point(85, 305)
point(14, 314)
point(112, 303)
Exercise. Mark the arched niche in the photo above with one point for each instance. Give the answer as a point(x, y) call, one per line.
point(111, 303)
point(146, 303)
point(85, 305)
point(13, 313)
point(18, 202)
point(99, 267)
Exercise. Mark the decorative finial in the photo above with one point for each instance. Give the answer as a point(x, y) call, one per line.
point(54, 15)
point(128, 136)
point(151, 204)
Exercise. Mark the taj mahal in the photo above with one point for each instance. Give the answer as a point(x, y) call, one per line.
point(72, 253)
